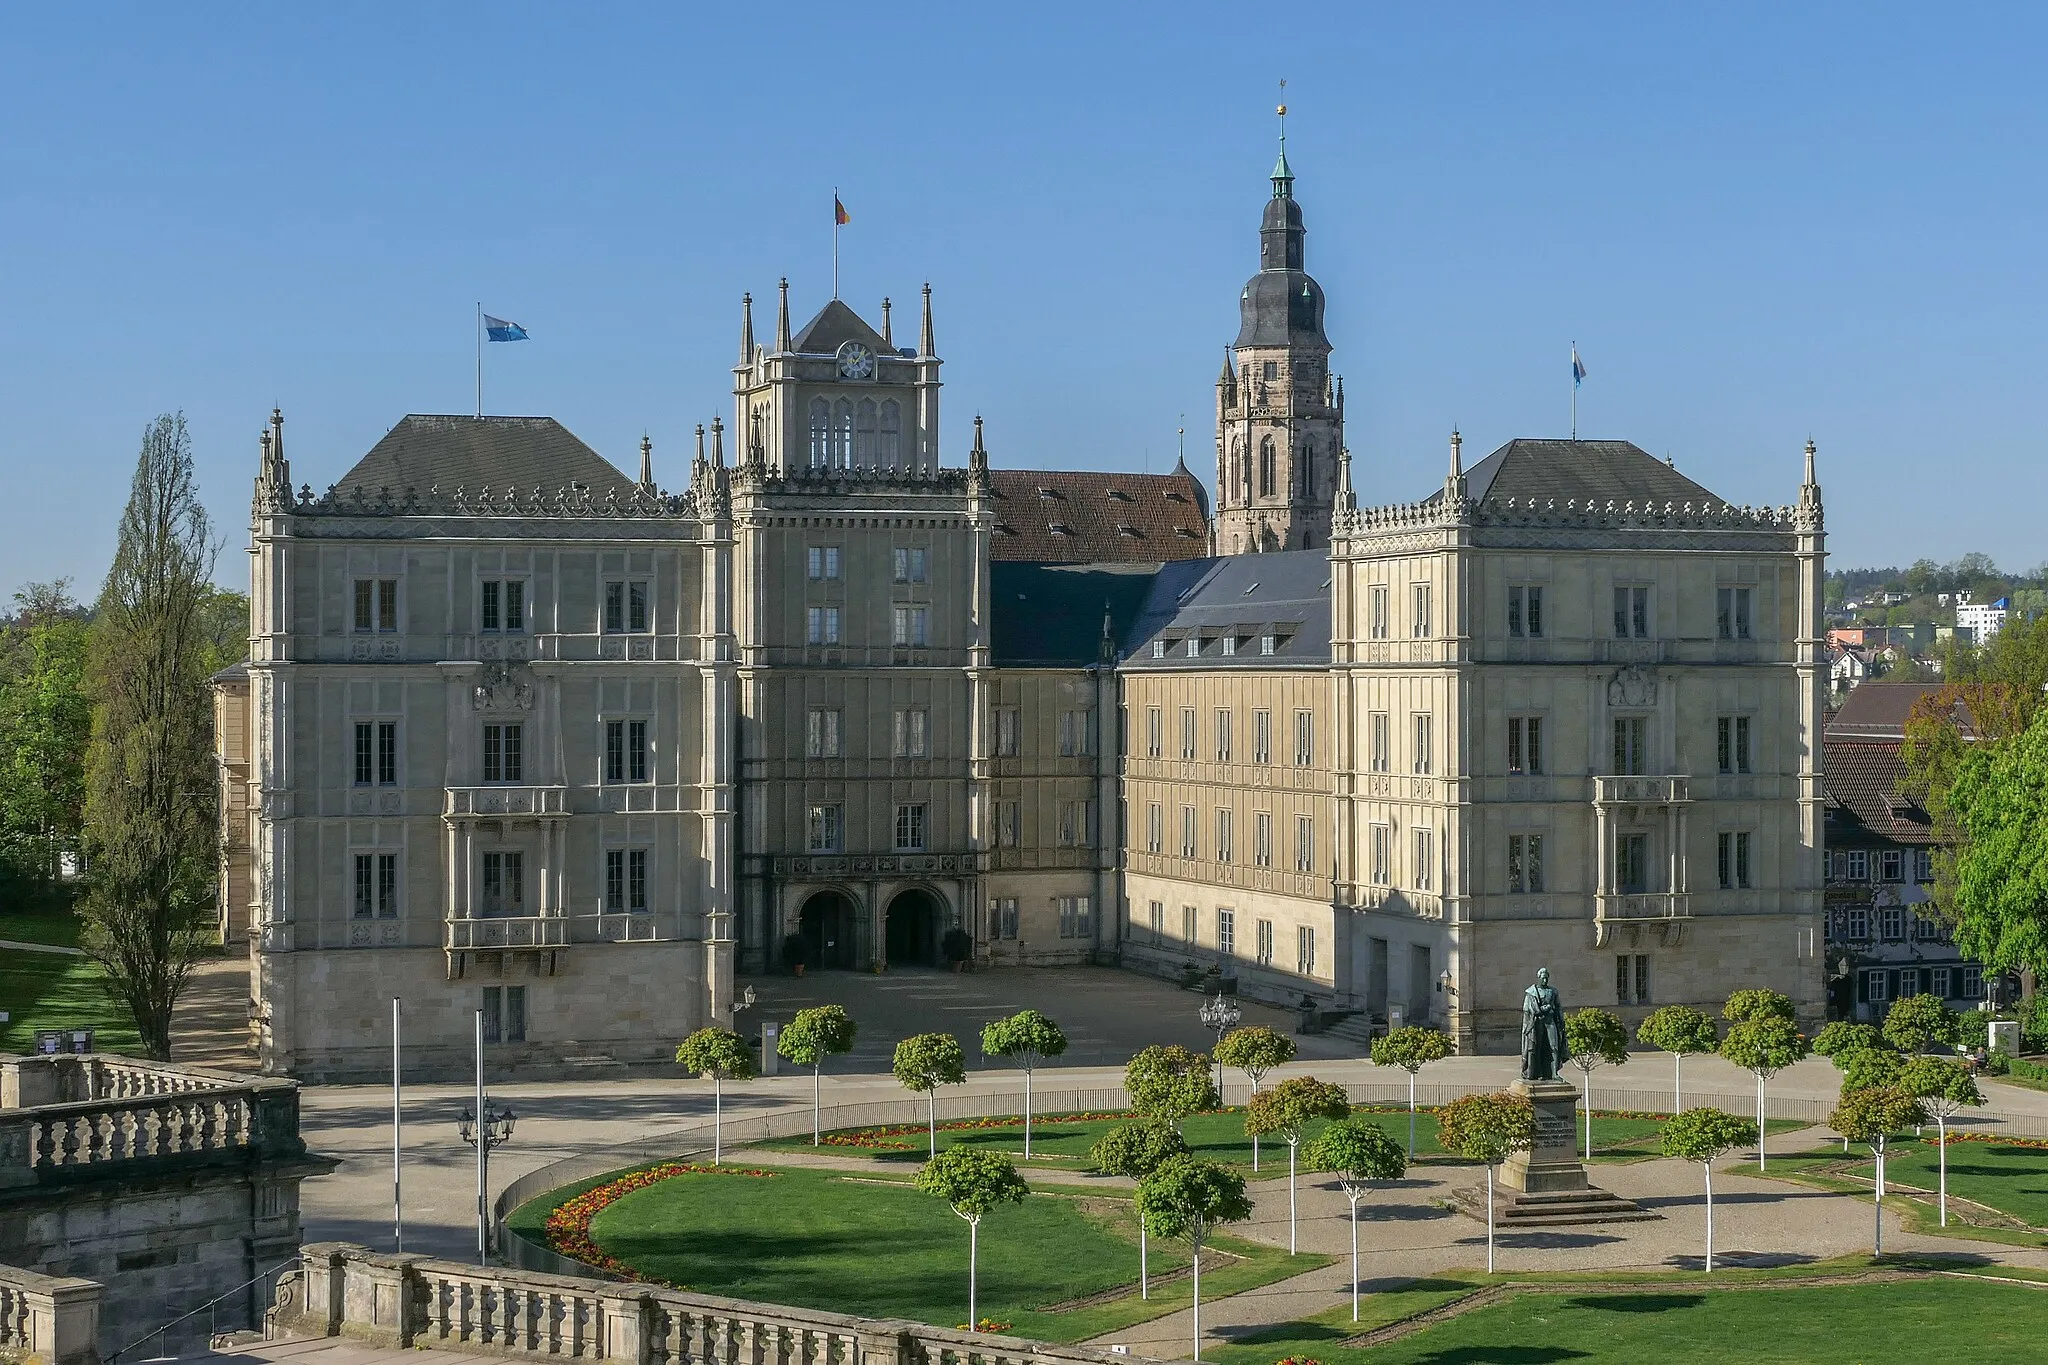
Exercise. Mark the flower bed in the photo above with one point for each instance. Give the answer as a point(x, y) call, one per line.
point(1994, 1140)
point(568, 1225)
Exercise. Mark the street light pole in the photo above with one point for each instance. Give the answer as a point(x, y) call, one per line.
point(483, 1154)
point(397, 1118)
point(1222, 1015)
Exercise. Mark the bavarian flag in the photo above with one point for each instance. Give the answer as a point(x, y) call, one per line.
point(840, 216)
point(497, 329)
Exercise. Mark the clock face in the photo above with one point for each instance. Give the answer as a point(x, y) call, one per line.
point(856, 361)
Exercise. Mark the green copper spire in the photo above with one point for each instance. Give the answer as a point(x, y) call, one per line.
point(1283, 176)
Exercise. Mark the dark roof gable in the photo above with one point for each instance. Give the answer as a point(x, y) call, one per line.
point(1066, 516)
point(433, 451)
point(835, 325)
point(1600, 470)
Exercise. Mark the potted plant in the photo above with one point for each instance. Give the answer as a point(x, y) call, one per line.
point(796, 953)
point(957, 947)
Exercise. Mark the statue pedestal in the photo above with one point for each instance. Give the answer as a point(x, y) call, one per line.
point(1546, 1186)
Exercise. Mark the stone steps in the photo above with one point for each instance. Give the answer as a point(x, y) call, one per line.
point(1556, 1208)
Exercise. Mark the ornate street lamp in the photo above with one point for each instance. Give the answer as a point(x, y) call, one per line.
point(492, 1129)
point(1222, 1015)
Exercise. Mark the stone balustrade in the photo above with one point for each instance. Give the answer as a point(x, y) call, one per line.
point(52, 1318)
point(416, 1302)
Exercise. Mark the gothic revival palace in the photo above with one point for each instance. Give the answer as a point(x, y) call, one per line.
point(520, 732)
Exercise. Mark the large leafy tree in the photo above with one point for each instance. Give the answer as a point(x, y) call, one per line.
point(817, 1033)
point(150, 809)
point(719, 1055)
point(1026, 1038)
point(1286, 1111)
point(1594, 1038)
point(45, 729)
point(1704, 1135)
point(1487, 1128)
point(1357, 1152)
point(1683, 1032)
point(975, 1183)
point(924, 1062)
point(1254, 1050)
point(1135, 1150)
point(1762, 1044)
point(1944, 1089)
point(1184, 1197)
point(1995, 878)
point(1411, 1047)
point(1167, 1083)
point(1871, 1117)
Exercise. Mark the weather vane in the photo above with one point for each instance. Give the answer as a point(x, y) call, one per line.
point(1282, 111)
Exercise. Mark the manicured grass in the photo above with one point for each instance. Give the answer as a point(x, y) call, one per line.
point(59, 927)
point(1851, 1324)
point(880, 1249)
point(2013, 1180)
point(51, 990)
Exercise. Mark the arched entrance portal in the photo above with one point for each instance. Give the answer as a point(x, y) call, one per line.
point(912, 933)
point(826, 923)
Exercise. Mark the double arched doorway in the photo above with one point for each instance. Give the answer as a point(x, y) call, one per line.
point(826, 923)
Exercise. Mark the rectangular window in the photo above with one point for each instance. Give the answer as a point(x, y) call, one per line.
point(913, 733)
point(1077, 919)
point(625, 607)
point(1155, 920)
point(1379, 756)
point(1262, 839)
point(387, 753)
point(1629, 747)
point(1155, 827)
point(910, 827)
point(1008, 826)
point(1926, 930)
point(504, 883)
point(910, 563)
point(1077, 822)
point(1425, 859)
point(1859, 865)
point(504, 604)
point(1632, 979)
point(1425, 741)
point(504, 1014)
point(1734, 859)
point(1381, 866)
point(1194, 646)
point(1268, 642)
point(1973, 982)
point(1229, 643)
point(366, 604)
point(1731, 744)
point(1525, 863)
point(1731, 613)
point(503, 761)
point(825, 828)
point(822, 625)
point(1923, 865)
point(493, 1024)
point(1893, 864)
point(1525, 610)
point(823, 566)
point(1226, 932)
point(1187, 924)
point(1187, 733)
point(1525, 744)
point(1304, 844)
point(1262, 737)
point(1376, 598)
point(1420, 622)
point(615, 880)
point(1222, 735)
point(1002, 914)
point(1262, 942)
point(1224, 851)
point(1891, 923)
point(1187, 831)
point(625, 751)
point(1632, 864)
point(376, 886)
point(376, 605)
point(1153, 729)
point(1304, 739)
point(821, 732)
point(1305, 950)
point(1631, 613)
point(913, 626)
point(1009, 728)
point(1859, 925)
point(1077, 733)
point(366, 742)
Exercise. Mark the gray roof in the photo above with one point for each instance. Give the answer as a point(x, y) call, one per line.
point(1620, 470)
point(835, 325)
point(1050, 615)
point(233, 673)
point(427, 451)
point(1244, 597)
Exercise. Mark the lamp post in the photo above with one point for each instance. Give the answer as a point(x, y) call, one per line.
point(483, 1127)
point(1222, 1015)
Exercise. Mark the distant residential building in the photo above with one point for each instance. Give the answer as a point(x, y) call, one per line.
point(1982, 619)
point(1847, 668)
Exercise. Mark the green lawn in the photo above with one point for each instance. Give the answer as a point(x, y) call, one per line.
point(2013, 1180)
point(881, 1249)
point(57, 927)
point(1832, 1325)
point(51, 990)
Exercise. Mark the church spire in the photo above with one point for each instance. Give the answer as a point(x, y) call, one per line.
point(746, 329)
point(782, 317)
point(888, 333)
point(1283, 176)
point(925, 345)
point(646, 462)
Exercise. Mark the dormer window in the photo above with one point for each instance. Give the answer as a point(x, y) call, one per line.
point(1060, 528)
point(1051, 493)
point(1194, 646)
point(1268, 642)
point(1159, 649)
point(1185, 534)
point(1125, 529)
point(1175, 495)
point(1229, 646)
point(1118, 495)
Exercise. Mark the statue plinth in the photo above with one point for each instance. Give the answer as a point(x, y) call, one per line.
point(1551, 1162)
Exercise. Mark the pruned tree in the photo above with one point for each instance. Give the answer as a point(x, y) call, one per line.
point(1914, 1021)
point(151, 798)
point(1026, 1038)
point(1683, 1032)
point(1411, 1047)
point(1705, 1135)
point(1594, 1038)
point(1184, 1197)
point(817, 1033)
point(1871, 1117)
point(718, 1055)
point(1487, 1128)
point(1286, 1111)
point(1167, 1083)
point(1135, 1150)
point(1254, 1050)
point(1357, 1152)
point(975, 1182)
point(1754, 1002)
point(924, 1062)
point(1944, 1089)
point(1763, 1044)
point(1869, 1068)
point(1844, 1036)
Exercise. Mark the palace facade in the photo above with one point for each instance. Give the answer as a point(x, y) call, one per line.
point(523, 734)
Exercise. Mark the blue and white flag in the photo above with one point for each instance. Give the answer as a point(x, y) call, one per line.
point(1578, 367)
point(497, 329)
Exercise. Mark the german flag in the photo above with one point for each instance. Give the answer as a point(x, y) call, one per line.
point(840, 216)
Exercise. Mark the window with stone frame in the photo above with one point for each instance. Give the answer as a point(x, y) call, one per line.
point(625, 606)
point(1525, 744)
point(376, 606)
point(1077, 733)
point(1378, 624)
point(1304, 844)
point(1304, 739)
point(1891, 923)
point(1187, 831)
point(822, 728)
point(1155, 827)
point(1262, 737)
point(821, 563)
point(1077, 917)
point(1525, 863)
point(1262, 839)
point(1380, 867)
point(1525, 610)
point(625, 751)
point(1077, 824)
point(1420, 623)
point(1226, 932)
point(1187, 733)
point(1002, 914)
point(910, 827)
point(1631, 612)
point(912, 733)
point(1422, 755)
point(502, 605)
point(376, 886)
point(826, 828)
point(1224, 850)
point(1222, 734)
point(1154, 728)
point(1732, 613)
point(504, 754)
point(1379, 756)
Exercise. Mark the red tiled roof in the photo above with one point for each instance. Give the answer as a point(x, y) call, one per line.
point(1066, 516)
point(1863, 779)
point(1877, 710)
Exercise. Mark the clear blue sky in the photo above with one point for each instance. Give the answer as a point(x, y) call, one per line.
point(1758, 223)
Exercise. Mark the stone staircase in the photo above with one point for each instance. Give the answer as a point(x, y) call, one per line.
point(1553, 1209)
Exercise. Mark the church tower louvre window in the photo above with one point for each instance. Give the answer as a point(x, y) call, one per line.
point(1277, 403)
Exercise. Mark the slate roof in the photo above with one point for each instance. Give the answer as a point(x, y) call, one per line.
point(1621, 470)
point(426, 451)
point(1241, 597)
point(835, 325)
point(233, 673)
point(1066, 516)
point(1049, 615)
point(1863, 789)
point(1877, 711)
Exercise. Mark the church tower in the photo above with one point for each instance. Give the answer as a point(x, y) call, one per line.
point(1279, 411)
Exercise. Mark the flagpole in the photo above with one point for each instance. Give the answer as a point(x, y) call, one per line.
point(479, 358)
point(835, 241)
point(1575, 390)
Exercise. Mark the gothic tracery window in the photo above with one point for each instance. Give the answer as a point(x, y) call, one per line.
point(892, 433)
point(1267, 468)
point(821, 433)
point(864, 434)
point(842, 432)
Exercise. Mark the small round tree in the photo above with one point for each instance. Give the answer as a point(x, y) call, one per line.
point(1762, 1044)
point(1135, 1150)
point(1357, 1152)
point(1166, 1084)
point(1914, 1021)
point(1843, 1036)
point(1286, 1110)
point(975, 1182)
point(719, 1055)
point(1869, 1068)
point(1754, 1003)
point(1487, 1128)
point(1411, 1048)
point(1026, 1038)
point(924, 1062)
point(1944, 1089)
point(1704, 1135)
point(817, 1033)
point(1594, 1038)
point(1871, 1117)
point(1255, 1050)
point(1187, 1198)
point(1683, 1032)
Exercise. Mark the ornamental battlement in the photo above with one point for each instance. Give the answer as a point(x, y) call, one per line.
point(1577, 514)
point(575, 501)
point(827, 479)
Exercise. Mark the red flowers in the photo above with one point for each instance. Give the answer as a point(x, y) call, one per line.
point(986, 1325)
point(568, 1225)
point(884, 1138)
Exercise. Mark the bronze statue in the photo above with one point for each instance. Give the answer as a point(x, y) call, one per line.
point(1543, 1047)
